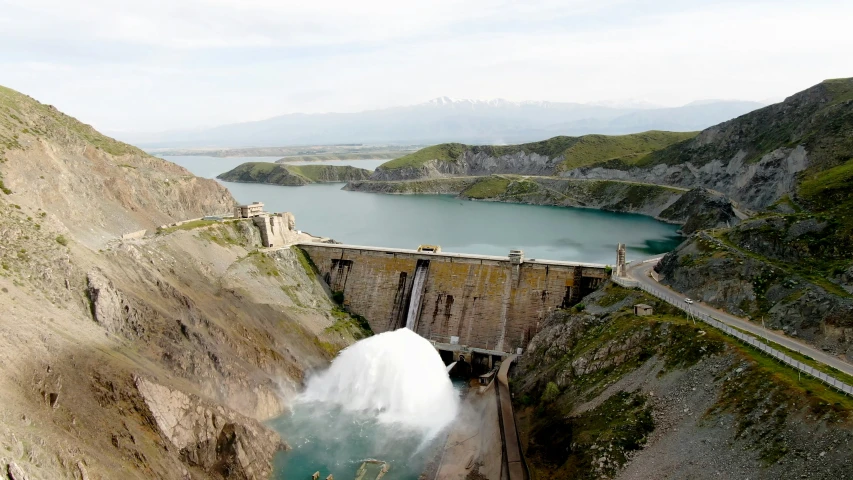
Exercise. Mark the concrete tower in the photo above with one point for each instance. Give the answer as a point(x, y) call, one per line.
point(620, 260)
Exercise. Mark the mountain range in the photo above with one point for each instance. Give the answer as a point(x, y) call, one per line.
point(450, 120)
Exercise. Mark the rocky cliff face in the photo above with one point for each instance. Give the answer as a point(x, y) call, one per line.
point(475, 164)
point(701, 209)
point(155, 357)
point(602, 393)
point(745, 282)
point(756, 185)
point(755, 159)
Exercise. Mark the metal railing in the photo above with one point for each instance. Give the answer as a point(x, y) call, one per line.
point(750, 340)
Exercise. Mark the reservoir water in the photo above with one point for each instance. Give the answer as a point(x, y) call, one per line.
point(488, 228)
point(388, 397)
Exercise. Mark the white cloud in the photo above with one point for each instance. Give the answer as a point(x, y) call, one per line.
point(135, 65)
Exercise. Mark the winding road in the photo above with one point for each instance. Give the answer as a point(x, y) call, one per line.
point(640, 273)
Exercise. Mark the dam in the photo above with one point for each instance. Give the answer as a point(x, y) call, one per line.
point(482, 303)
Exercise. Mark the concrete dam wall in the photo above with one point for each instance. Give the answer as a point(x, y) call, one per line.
point(488, 302)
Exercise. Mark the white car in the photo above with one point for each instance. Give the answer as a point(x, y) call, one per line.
point(688, 301)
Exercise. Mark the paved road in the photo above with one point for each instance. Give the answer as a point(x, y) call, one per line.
point(640, 272)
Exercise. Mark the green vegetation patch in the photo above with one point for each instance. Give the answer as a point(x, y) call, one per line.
point(3, 187)
point(830, 188)
point(293, 175)
point(329, 173)
point(762, 393)
point(225, 235)
point(445, 152)
point(19, 112)
point(187, 226)
point(306, 262)
point(265, 264)
point(840, 89)
point(626, 149)
point(572, 447)
point(487, 187)
point(577, 151)
point(346, 321)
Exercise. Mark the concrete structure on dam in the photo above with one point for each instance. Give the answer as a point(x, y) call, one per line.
point(482, 302)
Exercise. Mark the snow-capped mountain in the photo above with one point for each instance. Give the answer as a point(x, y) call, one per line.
point(446, 119)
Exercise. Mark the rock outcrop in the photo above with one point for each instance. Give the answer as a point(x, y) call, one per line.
point(755, 184)
point(472, 163)
point(746, 283)
point(212, 437)
point(702, 209)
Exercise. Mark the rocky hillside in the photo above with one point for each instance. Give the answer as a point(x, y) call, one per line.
point(157, 357)
point(792, 265)
point(602, 393)
point(548, 157)
point(95, 186)
point(757, 158)
point(293, 175)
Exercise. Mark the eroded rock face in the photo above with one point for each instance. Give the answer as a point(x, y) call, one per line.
point(756, 185)
point(16, 473)
point(111, 309)
point(214, 438)
point(475, 164)
point(701, 209)
point(706, 269)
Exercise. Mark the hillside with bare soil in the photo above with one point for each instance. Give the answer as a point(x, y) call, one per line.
point(157, 357)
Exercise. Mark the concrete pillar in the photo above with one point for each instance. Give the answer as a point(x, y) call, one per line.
point(620, 260)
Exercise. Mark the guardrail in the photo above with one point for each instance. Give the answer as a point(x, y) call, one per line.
point(750, 340)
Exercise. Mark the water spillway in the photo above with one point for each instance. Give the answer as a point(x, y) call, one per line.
point(418, 284)
point(397, 375)
point(450, 367)
point(386, 397)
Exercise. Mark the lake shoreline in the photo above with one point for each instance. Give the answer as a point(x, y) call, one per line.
point(481, 227)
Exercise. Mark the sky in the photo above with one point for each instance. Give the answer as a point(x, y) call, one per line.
point(145, 66)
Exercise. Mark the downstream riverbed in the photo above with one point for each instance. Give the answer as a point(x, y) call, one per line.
point(406, 221)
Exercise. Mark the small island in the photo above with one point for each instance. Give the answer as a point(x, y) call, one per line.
point(293, 175)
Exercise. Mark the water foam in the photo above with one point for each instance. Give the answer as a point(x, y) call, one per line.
point(397, 375)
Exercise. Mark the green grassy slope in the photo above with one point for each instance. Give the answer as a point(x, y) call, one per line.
point(20, 114)
point(578, 151)
point(445, 152)
point(592, 149)
point(293, 175)
point(819, 118)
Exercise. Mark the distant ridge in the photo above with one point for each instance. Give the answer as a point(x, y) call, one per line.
point(446, 119)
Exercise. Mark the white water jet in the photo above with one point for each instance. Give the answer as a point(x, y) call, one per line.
point(417, 292)
point(398, 375)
